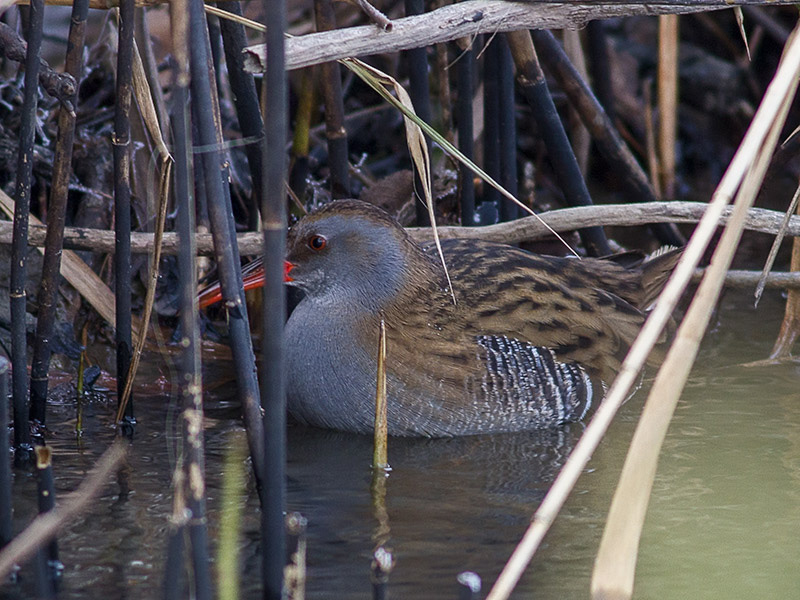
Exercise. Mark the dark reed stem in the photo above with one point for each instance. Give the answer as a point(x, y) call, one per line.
point(419, 92)
point(491, 121)
point(6, 531)
point(43, 584)
point(173, 569)
point(207, 122)
point(47, 502)
point(273, 380)
point(469, 586)
point(609, 143)
point(246, 104)
point(19, 250)
point(190, 369)
point(507, 129)
point(466, 68)
point(215, 47)
point(145, 45)
point(331, 83)
point(191, 381)
point(56, 212)
point(600, 65)
point(122, 206)
point(562, 158)
point(382, 565)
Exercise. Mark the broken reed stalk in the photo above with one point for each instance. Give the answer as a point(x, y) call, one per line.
point(790, 326)
point(615, 565)
point(47, 525)
point(668, 45)
point(121, 141)
point(207, 125)
point(469, 586)
point(56, 214)
point(604, 133)
point(382, 565)
point(6, 531)
point(645, 341)
point(335, 132)
point(19, 249)
point(380, 461)
point(418, 90)
point(507, 129)
point(466, 67)
point(273, 372)
point(297, 542)
point(246, 104)
point(47, 501)
point(570, 179)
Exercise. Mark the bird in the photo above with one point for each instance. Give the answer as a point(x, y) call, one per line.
point(511, 341)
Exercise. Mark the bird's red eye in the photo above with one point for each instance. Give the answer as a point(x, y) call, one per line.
point(317, 242)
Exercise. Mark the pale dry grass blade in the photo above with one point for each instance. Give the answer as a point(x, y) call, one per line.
point(776, 244)
point(615, 566)
point(652, 329)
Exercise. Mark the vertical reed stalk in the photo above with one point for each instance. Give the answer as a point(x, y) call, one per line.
point(600, 66)
point(122, 205)
point(246, 104)
point(380, 452)
point(507, 129)
point(176, 530)
point(6, 531)
point(189, 367)
point(192, 383)
point(581, 140)
point(491, 120)
point(668, 44)
point(47, 502)
point(19, 245)
point(335, 131)
point(562, 158)
point(420, 97)
point(273, 381)
point(466, 68)
point(609, 143)
point(207, 121)
point(56, 212)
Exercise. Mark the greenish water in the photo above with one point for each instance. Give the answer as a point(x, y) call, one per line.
point(723, 522)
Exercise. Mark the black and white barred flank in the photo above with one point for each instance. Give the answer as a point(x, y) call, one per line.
point(529, 380)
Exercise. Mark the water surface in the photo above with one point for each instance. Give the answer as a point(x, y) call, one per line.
point(724, 518)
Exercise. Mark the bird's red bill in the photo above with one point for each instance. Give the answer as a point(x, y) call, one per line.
point(252, 277)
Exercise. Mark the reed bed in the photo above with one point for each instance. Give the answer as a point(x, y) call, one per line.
point(191, 123)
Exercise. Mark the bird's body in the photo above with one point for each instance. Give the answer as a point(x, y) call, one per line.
point(526, 343)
